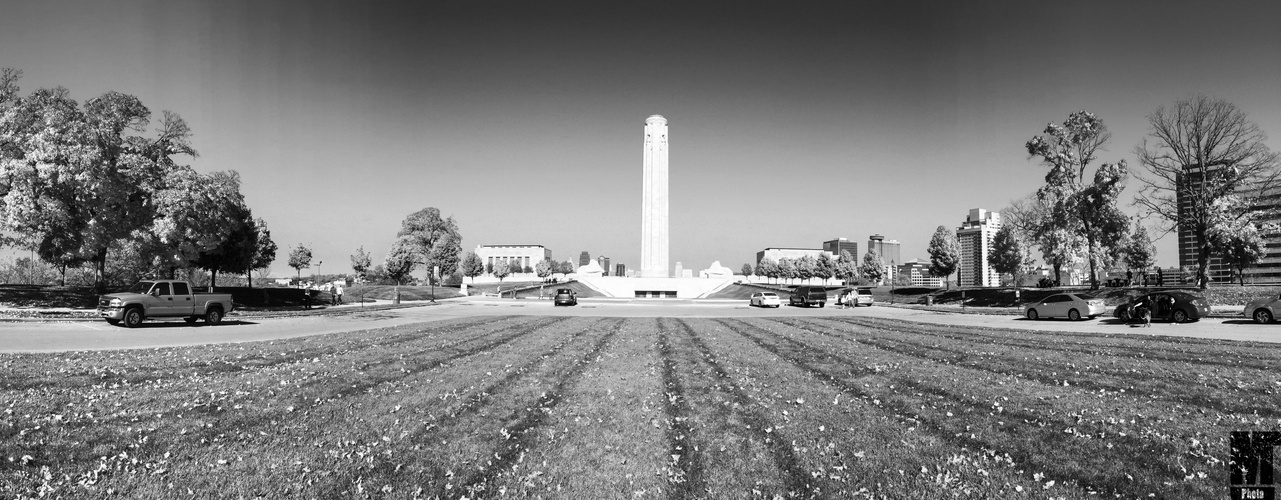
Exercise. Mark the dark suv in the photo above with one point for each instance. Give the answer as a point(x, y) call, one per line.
point(808, 296)
point(565, 297)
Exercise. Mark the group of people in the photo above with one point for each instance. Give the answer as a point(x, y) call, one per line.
point(1146, 310)
point(335, 290)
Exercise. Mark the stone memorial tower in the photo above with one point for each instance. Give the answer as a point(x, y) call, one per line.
point(654, 200)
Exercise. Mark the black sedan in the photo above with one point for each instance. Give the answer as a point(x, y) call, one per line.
point(1175, 306)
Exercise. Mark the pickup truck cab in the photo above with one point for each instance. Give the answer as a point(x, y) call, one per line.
point(807, 296)
point(163, 299)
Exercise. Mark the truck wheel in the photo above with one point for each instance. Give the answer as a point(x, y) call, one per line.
point(133, 317)
point(190, 319)
point(821, 304)
point(213, 316)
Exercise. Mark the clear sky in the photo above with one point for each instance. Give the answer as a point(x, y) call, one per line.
point(790, 123)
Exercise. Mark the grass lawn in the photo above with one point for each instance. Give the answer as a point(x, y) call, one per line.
point(557, 407)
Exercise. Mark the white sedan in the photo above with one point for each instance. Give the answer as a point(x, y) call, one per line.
point(1064, 305)
point(1263, 310)
point(765, 299)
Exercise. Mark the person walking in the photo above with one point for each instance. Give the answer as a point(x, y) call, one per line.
point(338, 293)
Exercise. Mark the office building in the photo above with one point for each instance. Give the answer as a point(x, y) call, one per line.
point(975, 236)
point(918, 271)
point(889, 252)
point(604, 264)
point(514, 255)
point(836, 246)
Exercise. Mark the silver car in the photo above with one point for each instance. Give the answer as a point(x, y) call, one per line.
point(1064, 305)
point(1263, 310)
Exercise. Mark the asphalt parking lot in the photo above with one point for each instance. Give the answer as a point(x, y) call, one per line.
point(54, 336)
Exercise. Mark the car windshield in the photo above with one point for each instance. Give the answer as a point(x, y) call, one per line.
point(141, 287)
point(864, 292)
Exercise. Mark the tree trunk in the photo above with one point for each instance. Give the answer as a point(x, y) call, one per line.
point(1058, 271)
point(1203, 263)
point(249, 277)
point(213, 279)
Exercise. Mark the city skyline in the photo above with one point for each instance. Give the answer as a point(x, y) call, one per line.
point(520, 120)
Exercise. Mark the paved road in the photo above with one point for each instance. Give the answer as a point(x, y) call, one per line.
point(96, 335)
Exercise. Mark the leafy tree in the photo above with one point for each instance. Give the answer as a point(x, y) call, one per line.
point(400, 262)
point(1235, 234)
point(435, 242)
point(805, 267)
point(845, 268)
point(1199, 152)
point(824, 267)
point(264, 250)
point(567, 267)
point(472, 266)
point(787, 269)
point(360, 262)
point(873, 268)
point(1007, 253)
point(1140, 254)
point(300, 258)
point(767, 268)
point(1085, 209)
point(545, 268)
point(501, 270)
point(945, 254)
point(746, 270)
point(77, 178)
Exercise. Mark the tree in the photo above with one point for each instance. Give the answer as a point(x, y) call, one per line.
point(767, 268)
point(265, 250)
point(746, 270)
point(873, 268)
point(435, 242)
point(472, 266)
point(1235, 235)
point(805, 267)
point(786, 269)
point(845, 268)
point(1085, 209)
point(78, 179)
point(1140, 254)
point(1007, 253)
point(300, 258)
point(945, 254)
point(824, 267)
point(545, 268)
point(501, 270)
point(567, 267)
point(360, 262)
point(1199, 152)
point(400, 262)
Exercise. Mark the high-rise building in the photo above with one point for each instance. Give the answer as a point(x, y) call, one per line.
point(654, 200)
point(836, 246)
point(1193, 179)
point(1268, 269)
point(584, 258)
point(604, 263)
point(620, 270)
point(918, 271)
point(975, 236)
point(889, 252)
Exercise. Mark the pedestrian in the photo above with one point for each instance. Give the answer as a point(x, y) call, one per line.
point(306, 295)
point(338, 289)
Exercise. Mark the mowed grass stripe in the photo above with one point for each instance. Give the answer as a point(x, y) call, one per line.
point(859, 446)
point(1194, 351)
point(1176, 382)
point(685, 469)
point(1036, 429)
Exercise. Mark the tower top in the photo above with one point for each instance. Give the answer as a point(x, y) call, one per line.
point(656, 119)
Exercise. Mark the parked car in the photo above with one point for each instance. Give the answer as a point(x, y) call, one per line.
point(1174, 305)
point(862, 297)
point(1263, 310)
point(765, 299)
point(163, 299)
point(1065, 305)
point(808, 296)
point(565, 297)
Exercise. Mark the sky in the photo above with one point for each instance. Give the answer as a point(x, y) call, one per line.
point(790, 123)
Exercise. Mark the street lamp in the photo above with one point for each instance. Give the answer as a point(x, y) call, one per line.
point(893, 273)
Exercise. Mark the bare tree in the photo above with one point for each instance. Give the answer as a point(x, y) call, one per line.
point(1198, 152)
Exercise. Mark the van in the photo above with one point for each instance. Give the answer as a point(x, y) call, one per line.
point(808, 296)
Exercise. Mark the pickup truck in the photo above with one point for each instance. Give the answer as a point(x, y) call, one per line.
point(163, 299)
